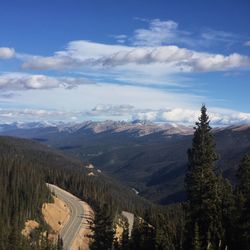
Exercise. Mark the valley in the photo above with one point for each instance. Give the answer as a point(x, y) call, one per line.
point(151, 158)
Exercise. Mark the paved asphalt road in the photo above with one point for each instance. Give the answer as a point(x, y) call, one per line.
point(70, 230)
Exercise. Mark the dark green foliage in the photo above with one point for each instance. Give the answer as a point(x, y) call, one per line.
point(103, 229)
point(196, 244)
point(143, 236)
point(243, 176)
point(243, 204)
point(202, 209)
point(22, 193)
point(227, 211)
point(163, 238)
point(216, 216)
point(59, 243)
point(125, 237)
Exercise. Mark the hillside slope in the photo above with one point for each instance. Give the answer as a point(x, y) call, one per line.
point(72, 175)
point(150, 158)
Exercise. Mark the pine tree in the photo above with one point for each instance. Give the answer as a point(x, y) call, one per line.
point(163, 239)
point(143, 236)
point(136, 237)
point(243, 201)
point(103, 230)
point(227, 208)
point(125, 237)
point(202, 186)
point(148, 236)
point(59, 243)
point(196, 239)
point(244, 177)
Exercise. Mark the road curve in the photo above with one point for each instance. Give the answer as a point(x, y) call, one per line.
point(70, 230)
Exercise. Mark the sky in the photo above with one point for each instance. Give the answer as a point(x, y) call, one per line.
point(75, 60)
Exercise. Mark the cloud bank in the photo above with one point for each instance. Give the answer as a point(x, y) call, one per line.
point(189, 117)
point(103, 112)
point(83, 54)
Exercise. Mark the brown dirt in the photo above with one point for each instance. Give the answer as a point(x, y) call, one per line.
point(118, 232)
point(56, 214)
point(30, 225)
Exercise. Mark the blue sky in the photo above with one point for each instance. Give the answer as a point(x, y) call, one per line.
point(158, 60)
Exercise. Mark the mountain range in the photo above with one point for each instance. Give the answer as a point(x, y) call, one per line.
point(150, 158)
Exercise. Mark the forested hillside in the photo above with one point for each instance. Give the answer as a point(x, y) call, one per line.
point(68, 173)
point(22, 193)
point(27, 165)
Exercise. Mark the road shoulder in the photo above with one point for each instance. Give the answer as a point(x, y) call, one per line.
point(82, 240)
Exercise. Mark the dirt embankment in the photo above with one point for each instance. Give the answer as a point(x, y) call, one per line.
point(56, 214)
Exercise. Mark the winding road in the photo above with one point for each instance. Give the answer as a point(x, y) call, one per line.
point(70, 230)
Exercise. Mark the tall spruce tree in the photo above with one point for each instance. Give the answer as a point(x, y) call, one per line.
point(227, 209)
point(196, 239)
point(202, 208)
point(163, 235)
point(243, 204)
point(103, 229)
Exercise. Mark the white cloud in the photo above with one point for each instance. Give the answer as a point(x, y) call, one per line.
point(120, 38)
point(22, 81)
point(158, 33)
point(218, 62)
point(189, 116)
point(219, 36)
point(152, 60)
point(87, 96)
point(77, 54)
point(112, 110)
point(86, 55)
point(167, 32)
point(31, 115)
point(6, 53)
